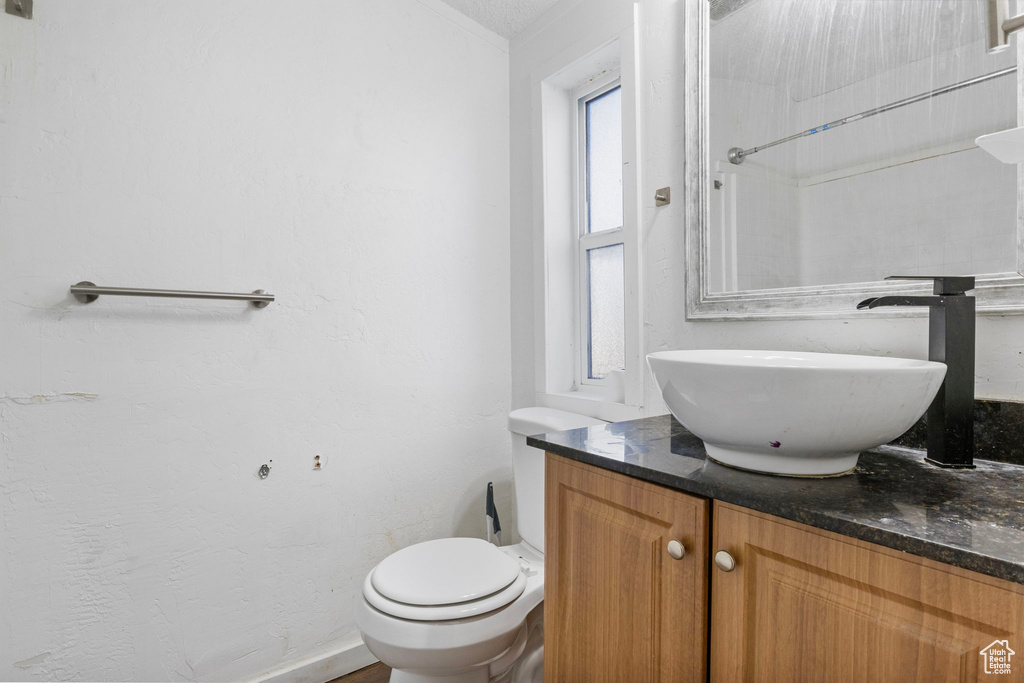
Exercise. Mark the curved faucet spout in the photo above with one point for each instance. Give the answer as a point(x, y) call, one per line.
point(866, 303)
point(875, 302)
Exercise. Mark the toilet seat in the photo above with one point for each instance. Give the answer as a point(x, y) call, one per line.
point(444, 571)
point(449, 578)
point(459, 610)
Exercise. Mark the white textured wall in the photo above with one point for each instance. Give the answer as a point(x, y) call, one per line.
point(351, 158)
point(1000, 357)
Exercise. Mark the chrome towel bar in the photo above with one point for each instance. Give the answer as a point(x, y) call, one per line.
point(87, 292)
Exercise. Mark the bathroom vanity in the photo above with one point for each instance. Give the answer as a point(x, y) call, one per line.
point(665, 566)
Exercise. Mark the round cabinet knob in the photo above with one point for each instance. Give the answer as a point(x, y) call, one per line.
point(676, 550)
point(725, 561)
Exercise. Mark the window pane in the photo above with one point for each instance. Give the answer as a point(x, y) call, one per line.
point(604, 161)
point(606, 331)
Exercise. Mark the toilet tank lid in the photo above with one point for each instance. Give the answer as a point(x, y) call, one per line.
point(530, 421)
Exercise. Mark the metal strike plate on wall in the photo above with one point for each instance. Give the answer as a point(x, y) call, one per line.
point(19, 8)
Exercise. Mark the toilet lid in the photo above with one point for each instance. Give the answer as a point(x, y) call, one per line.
point(460, 610)
point(444, 572)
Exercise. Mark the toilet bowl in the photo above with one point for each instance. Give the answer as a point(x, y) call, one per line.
point(460, 610)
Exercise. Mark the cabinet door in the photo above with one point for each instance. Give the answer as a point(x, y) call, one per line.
point(807, 605)
point(618, 607)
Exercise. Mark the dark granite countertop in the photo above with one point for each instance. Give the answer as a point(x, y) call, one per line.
point(968, 518)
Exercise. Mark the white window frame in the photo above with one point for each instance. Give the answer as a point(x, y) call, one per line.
point(593, 240)
point(614, 45)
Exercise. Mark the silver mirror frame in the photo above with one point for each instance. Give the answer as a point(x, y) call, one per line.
point(997, 294)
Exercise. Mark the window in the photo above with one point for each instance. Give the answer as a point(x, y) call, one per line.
point(599, 240)
point(588, 214)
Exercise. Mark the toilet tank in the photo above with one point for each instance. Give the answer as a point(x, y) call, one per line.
point(528, 464)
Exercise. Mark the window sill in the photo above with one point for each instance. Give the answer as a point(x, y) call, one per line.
point(590, 402)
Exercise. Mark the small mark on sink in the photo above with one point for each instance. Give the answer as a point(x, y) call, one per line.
point(774, 444)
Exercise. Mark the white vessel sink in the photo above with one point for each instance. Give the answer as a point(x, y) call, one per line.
point(793, 413)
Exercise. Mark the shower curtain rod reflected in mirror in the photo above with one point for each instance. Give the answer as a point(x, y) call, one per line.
point(738, 154)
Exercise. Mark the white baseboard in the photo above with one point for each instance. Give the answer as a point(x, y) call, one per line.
point(324, 667)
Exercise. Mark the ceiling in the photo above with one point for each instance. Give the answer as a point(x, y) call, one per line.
point(504, 17)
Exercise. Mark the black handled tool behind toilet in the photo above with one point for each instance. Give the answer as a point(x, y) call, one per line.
point(493, 523)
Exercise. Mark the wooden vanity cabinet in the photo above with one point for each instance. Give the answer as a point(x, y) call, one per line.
point(618, 607)
point(799, 604)
point(804, 604)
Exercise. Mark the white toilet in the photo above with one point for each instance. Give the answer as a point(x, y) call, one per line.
point(460, 610)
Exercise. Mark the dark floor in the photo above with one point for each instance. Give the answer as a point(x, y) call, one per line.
point(375, 673)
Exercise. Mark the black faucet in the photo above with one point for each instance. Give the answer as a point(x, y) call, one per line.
point(950, 341)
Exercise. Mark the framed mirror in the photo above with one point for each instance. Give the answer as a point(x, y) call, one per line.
point(831, 143)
